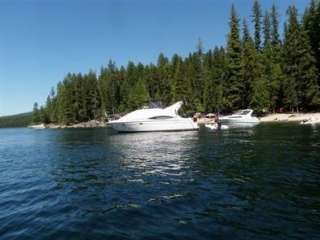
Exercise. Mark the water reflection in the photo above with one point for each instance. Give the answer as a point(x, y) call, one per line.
point(156, 153)
point(242, 125)
point(87, 160)
point(256, 183)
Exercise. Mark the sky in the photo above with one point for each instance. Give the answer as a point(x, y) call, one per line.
point(42, 40)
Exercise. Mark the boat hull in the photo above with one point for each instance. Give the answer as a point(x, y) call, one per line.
point(240, 124)
point(239, 121)
point(155, 126)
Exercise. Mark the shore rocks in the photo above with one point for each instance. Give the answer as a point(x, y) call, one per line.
point(89, 124)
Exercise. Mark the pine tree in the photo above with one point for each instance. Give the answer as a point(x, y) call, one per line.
point(273, 68)
point(250, 68)
point(290, 60)
point(233, 84)
point(299, 65)
point(275, 38)
point(179, 84)
point(311, 24)
point(309, 88)
point(264, 74)
point(44, 118)
point(94, 97)
point(138, 95)
point(163, 90)
point(67, 114)
point(260, 95)
point(257, 15)
point(198, 78)
point(213, 94)
point(35, 114)
point(266, 29)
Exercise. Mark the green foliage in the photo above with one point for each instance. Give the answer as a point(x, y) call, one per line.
point(275, 37)
point(250, 68)
point(260, 95)
point(257, 15)
point(19, 120)
point(215, 65)
point(311, 24)
point(138, 95)
point(36, 118)
point(266, 29)
point(266, 74)
point(233, 83)
point(301, 88)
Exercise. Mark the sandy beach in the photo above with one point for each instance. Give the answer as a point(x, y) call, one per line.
point(276, 117)
point(289, 117)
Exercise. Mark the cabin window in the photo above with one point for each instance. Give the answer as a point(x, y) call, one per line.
point(161, 117)
point(244, 112)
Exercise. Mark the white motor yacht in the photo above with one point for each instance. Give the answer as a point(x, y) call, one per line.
point(38, 126)
point(242, 117)
point(154, 119)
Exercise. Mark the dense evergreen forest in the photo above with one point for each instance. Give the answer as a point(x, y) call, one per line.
point(263, 70)
point(18, 120)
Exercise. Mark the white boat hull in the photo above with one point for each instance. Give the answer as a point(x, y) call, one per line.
point(180, 124)
point(242, 118)
point(235, 120)
point(240, 124)
point(39, 126)
point(310, 123)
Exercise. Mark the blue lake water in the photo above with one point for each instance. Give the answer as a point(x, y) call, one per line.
point(259, 183)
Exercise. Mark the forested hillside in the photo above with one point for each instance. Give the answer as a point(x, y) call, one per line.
point(19, 120)
point(262, 70)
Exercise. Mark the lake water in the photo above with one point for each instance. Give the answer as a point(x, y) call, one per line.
point(259, 183)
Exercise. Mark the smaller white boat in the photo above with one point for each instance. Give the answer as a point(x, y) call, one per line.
point(242, 117)
point(215, 127)
point(38, 126)
point(310, 121)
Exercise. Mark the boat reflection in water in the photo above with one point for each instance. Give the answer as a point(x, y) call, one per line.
point(160, 153)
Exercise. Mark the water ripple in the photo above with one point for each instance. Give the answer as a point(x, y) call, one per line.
point(260, 183)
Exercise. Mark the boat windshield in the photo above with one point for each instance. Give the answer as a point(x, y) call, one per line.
point(151, 105)
point(161, 117)
point(243, 112)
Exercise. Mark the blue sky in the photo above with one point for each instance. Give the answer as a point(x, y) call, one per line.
point(42, 40)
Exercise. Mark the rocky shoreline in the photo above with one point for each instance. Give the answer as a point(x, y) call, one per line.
point(89, 124)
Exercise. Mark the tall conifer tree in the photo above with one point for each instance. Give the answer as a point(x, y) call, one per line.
point(257, 15)
point(233, 84)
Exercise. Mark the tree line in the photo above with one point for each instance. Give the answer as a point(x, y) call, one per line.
point(263, 70)
point(18, 120)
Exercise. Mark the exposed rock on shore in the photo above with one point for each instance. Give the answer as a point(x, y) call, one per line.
point(89, 124)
